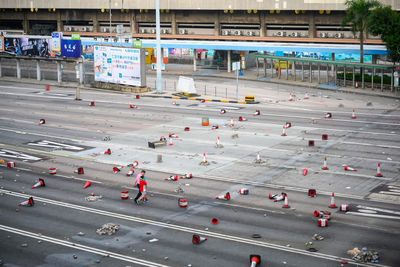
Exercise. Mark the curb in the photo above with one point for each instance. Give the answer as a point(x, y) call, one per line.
point(202, 99)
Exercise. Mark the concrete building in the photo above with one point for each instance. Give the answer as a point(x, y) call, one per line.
point(259, 20)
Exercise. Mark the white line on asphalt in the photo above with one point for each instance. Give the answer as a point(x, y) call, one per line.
point(373, 215)
point(378, 209)
point(365, 144)
point(40, 134)
point(251, 208)
point(186, 229)
point(78, 246)
point(390, 193)
point(81, 179)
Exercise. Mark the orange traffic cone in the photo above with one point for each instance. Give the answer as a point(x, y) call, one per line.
point(47, 87)
point(332, 205)
point(306, 95)
point(378, 171)
point(286, 203)
point(284, 131)
point(116, 169)
point(87, 184)
point(305, 172)
point(28, 203)
point(255, 260)
point(353, 114)
point(325, 167)
point(290, 97)
point(172, 178)
point(108, 152)
point(347, 168)
point(227, 196)
point(196, 239)
point(39, 184)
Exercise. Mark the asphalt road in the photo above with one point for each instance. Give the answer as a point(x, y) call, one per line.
point(159, 233)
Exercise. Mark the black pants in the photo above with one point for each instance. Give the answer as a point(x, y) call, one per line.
point(139, 194)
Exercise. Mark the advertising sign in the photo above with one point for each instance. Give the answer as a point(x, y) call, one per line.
point(71, 48)
point(75, 36)
point(119, 65)
point(56, 42)
point(137, 43)
point(27, 46)
point(1, 44)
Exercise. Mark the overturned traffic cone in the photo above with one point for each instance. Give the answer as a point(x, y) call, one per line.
point(187, 129)
point(227, 196)
point(116, 170)
point(344, 207)
point(286, 203)
point(214, 221)
point(255, 260)
point(107, 152)
point(172, 135)
point(223, 111)
point(28, 203)
point(333, 205)
point(203, 101)
point(79, 171)
point(39, 184)
point(42, 121)
point(328, 115)
point(324, 137)
point(325, 167)
point(214, 127)
point(174, 103)
point(288, 124)
point(47, 88)
point(284, 131)
point(305, 172)
point(11, 164)
point(133, 106)
point(378, 171)
point(242, 118)
point(231, 124)
point(87, 184)
point(312, 192)
point(256, 113)
point(347, 168)
point(130, 172)
point(244, 191)
point(172, 178)
point(170, 142)
point(290, 97)
point(353, 114)
point(306, 95)
point(187, 176)
point(196, 239)
point(91, 104)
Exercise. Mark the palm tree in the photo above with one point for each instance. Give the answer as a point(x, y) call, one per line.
point(357, 13)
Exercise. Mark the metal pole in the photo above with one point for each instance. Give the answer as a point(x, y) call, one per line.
point(372, 78)
point(344, 75)
point(18, 69)
point(272, 68)
point(354, 76)
point(109, 4)
point(302, 71)
point(319, 73)
point(362, 79)
point(158, 48)
point(237, 84)
point(279, 69)
point(391, 81)
point(382, 80)
point(310, 72)
point(59, 72)
point(335, 72)
point(294, 69)
point(38, 77)
point(327, 74)
point(1, 71)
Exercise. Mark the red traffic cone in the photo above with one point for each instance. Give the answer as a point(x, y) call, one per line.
point(182, 202)
point(223, 111)
point(172, 178)
point(204, 158)
point(39, 184)
point(137, 96)
point(278, 198)
point(347, 168)
point(227, 196)
point(47, 88)
point(305, 172)
point(28, 203)
point(344, 207)
point(286, 203)
point(87, 184)
point(232, 122)
point(324, 137)
point(356, 84)
point(107, 152)
point(332, 205)
point(203, 101)
point(288, 124)
point(187, 129)
point(284, 131)
point(312, 192)
point(290, 97)
point(42, 121)
point(328, 115)
point(11, 164)
point(378, 171)
point(325, 167)
point(174, 103)
point(214, 127)
point(133, 106)
point(116, 169)
point(170, 141)
point(242, 118)
point(196, 239)
point(353, 114)
point(255, 260)
point(256, 113)
point(130, 172)
point(306, 95)
point(214, 220)
point(79, 171)
point(187, 176)
point(135, 164)
point(91, 104)
point(244, 191)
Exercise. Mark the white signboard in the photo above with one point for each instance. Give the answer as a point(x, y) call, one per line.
point(121, 65)
point(186, 85)
point(236, 66)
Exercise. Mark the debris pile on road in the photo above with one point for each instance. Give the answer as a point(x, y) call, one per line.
point(364, 255)
point(93, 198)
point(108, 228)
point(317, 237)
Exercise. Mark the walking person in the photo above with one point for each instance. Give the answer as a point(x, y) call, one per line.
point(137, 184)
point(143, 190)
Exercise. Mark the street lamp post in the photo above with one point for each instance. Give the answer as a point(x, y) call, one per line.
point(109, 3)
point(158, 48)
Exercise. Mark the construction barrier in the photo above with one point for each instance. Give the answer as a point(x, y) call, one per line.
point(124, 194)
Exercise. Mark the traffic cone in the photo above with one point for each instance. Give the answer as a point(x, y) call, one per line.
point(244, 191)
point(286, 203)
point(196, 239)
point(28, 203)
point(137, 96)
point(306, 95)
point(324, 137)
point(312, 192)
point(328, 115)
point(288, 124)
point(79, 171)
point(116, 169)
point(47, 88)
point(218, 144)
point(356, 84)
point(290, 97)
point(223, 111)
point(305, 172)
point(227, 196)
point(187, 129)
point(255, 260)
point(203, 101)
point(347, 168)
point(204, 158)
point(214, 220)
point(258, 158)
point(187, 176)
point(130, 172)
point(10, 164)
point(256, 113)
point(172, 178)
point(87, 184)
point(39, 184)
point(133, 106)
point(42, 121)
point(170, 141)
point(91, 104)
point(325, 167)
point(172, 135)
point(232, 122)
point(214, 127)
point(378, 171)
point(284, 131)
point(174, 103)
point(135, 164)
point(332, 205)
point(278, 198)
point(108, 152)
point(242, 118)
point(353, 114)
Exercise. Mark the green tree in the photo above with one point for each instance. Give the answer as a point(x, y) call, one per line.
point(357, 13)
point(385, 22)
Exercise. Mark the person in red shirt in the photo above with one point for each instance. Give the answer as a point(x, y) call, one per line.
point(143, 190)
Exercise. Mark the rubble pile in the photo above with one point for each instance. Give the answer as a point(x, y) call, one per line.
point(108, 228)
point(364, 255)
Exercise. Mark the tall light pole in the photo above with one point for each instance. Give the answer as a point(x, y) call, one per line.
point(158, 48)
point(109, 4)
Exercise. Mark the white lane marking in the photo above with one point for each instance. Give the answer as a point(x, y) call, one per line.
point(17, 155)
point(39, 134)
point(251, 208)
point(380, 216)
point(76, 178)
point(365, 144)
point(367, 211)
point(393, 186)
point(389, 193)
point(78, 246)
point(378, 209)
point(184, 229)
point(56, 145)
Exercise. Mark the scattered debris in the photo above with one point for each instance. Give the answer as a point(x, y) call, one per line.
point(153, 240)
point(24, 245)
point(364, 255)
point(81, 234)
point(75, 256)
point(148, 233)
point(108, 228)
point(166, 258)
point(317, 237)
point(93, 198)
point(235, 136)
point(107, 138)
point(369, 104)
point(256, 236)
